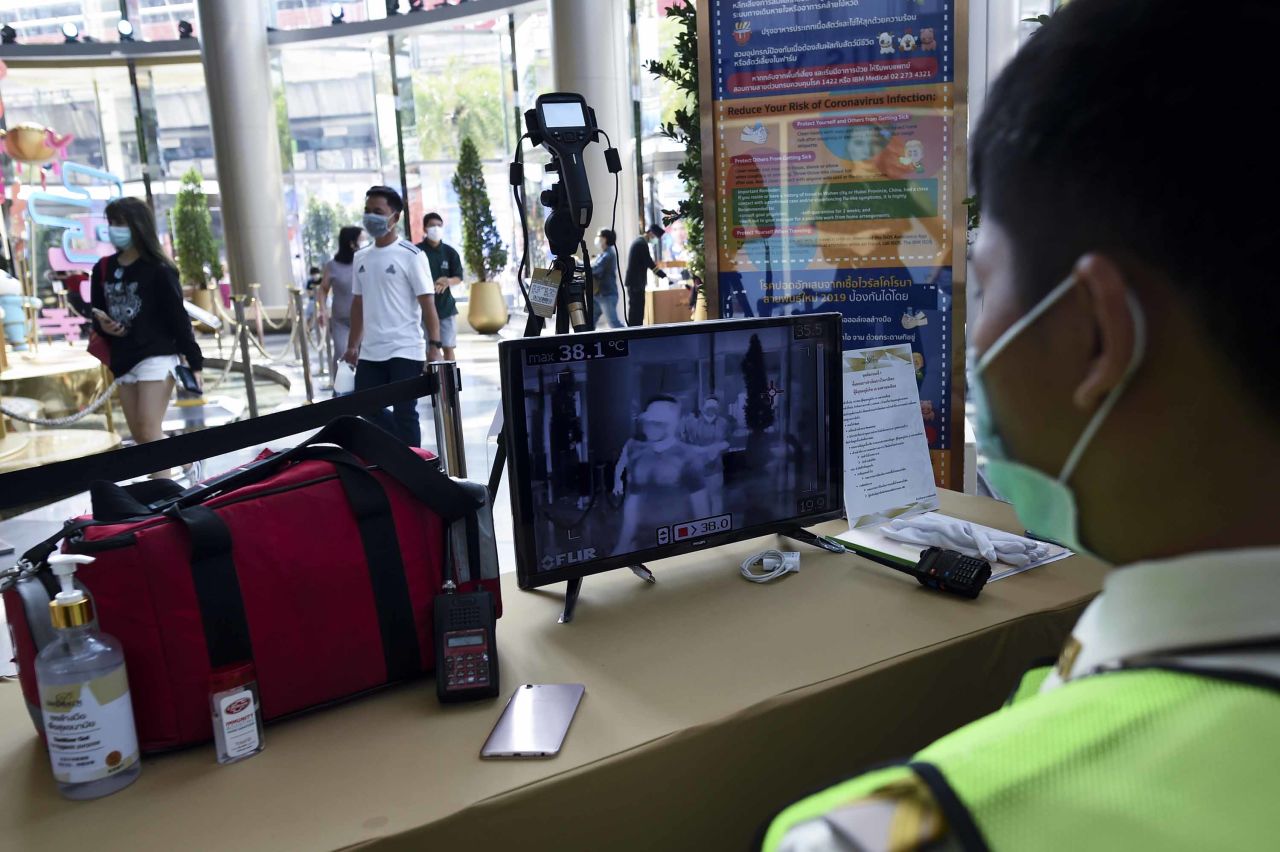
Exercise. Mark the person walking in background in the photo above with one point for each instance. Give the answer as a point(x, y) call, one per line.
point(709, 432)
point(446, 272)
point(604, 272)
point(137, 304)
point(639, 262)
point(663, 477)
point(391, 300)
point(337, 280)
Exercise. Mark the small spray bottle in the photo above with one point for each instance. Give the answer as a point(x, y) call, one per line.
point(84, 696)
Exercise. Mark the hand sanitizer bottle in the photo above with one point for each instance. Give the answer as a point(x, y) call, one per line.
point(84, 696)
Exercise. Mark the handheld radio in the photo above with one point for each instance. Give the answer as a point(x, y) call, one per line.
point(944, 570)
point(949, 571)
point(466, 645)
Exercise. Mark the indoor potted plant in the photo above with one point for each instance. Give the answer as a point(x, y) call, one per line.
point(482, 250)
point(195, 248)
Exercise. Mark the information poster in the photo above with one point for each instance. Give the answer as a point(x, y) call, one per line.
point(887, 473)
point(834, 164)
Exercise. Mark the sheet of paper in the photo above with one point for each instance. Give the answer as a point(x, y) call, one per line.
point(870, 538)
point(887, 471)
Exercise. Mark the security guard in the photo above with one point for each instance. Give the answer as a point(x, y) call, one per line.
point(1119, 383)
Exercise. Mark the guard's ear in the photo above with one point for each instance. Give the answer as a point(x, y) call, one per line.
point(1104, 288)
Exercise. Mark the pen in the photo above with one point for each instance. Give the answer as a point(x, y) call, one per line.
point(835, 543)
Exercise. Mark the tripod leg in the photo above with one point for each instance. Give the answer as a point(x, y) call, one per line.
point(495, 473)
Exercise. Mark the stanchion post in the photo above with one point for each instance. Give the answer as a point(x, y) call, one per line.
point(304, 345)
point(254, 289)
point(448, 418)
point(242, 332)
point(106, 380)
point(326, 345)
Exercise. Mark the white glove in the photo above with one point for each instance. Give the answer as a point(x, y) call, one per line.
point(934, 530)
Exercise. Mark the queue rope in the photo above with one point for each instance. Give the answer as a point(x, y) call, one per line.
point(289, 344)
point(55, 422)
point(231, 362)
point(262, 314)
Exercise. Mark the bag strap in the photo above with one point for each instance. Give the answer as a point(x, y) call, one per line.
point(372, 509)
point(376, 446)
point(36, 555)
point(217, 585)
point(213, 570)
point(112, 503)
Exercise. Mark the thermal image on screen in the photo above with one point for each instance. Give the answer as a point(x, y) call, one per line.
point(637, 443)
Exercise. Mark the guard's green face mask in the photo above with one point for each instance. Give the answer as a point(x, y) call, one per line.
point(1045, 504)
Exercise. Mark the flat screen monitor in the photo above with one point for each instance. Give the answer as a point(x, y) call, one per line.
point(635, 444)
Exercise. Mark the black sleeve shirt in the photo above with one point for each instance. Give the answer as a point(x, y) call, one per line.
point(146, 298)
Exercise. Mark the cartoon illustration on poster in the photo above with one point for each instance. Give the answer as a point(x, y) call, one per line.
point(834, 162)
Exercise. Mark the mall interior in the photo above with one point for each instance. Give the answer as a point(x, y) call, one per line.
point(631, 424)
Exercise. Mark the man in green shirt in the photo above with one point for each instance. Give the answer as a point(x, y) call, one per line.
point(446, 272)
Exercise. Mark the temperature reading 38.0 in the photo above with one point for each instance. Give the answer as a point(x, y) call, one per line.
point(567, 353)
point(700, 528)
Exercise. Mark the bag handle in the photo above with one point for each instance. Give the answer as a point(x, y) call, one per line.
point(376, 446)
point(112, 503)
point(34, 559)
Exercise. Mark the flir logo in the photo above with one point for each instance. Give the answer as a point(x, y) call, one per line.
point(573, 557)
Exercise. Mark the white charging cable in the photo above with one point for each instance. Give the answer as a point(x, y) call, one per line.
point(775, 563)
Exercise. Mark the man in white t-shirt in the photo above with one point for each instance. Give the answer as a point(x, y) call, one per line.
point(392, 298)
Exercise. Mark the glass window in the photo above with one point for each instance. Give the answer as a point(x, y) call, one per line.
point(304, 14)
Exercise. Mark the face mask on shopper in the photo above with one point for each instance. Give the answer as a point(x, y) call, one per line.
point(120, 235)
point(435, 233)
point(1046, 505)
point(377, 225)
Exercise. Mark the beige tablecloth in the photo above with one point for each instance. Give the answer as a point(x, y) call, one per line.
point(710, 703)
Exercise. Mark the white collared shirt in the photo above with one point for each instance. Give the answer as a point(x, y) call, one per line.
point(1211, 610)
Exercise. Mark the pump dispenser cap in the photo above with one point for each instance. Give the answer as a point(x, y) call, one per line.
point(69, 607)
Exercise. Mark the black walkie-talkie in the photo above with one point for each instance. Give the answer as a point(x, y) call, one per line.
point(944, 570)
point(949, 571)
point(465, 634)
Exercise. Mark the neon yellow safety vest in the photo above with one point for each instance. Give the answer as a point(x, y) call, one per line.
point(1136, 759)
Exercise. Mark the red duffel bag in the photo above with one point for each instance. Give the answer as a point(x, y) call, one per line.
point(319, 565)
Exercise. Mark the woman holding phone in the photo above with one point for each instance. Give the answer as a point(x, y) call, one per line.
point(137, 304)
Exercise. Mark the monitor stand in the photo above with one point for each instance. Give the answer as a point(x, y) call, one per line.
point(574, 586)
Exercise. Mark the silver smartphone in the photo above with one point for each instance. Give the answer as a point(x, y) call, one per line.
point(535, 721)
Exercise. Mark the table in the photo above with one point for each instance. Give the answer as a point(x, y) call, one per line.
point(666, 306)
point(711, 702)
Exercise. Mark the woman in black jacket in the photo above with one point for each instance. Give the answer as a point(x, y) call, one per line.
point(137, 304)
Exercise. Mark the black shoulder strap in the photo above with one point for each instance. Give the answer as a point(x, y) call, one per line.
point(218, 588)
point(112, 503)
point(378, 537)
point(226, 630)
